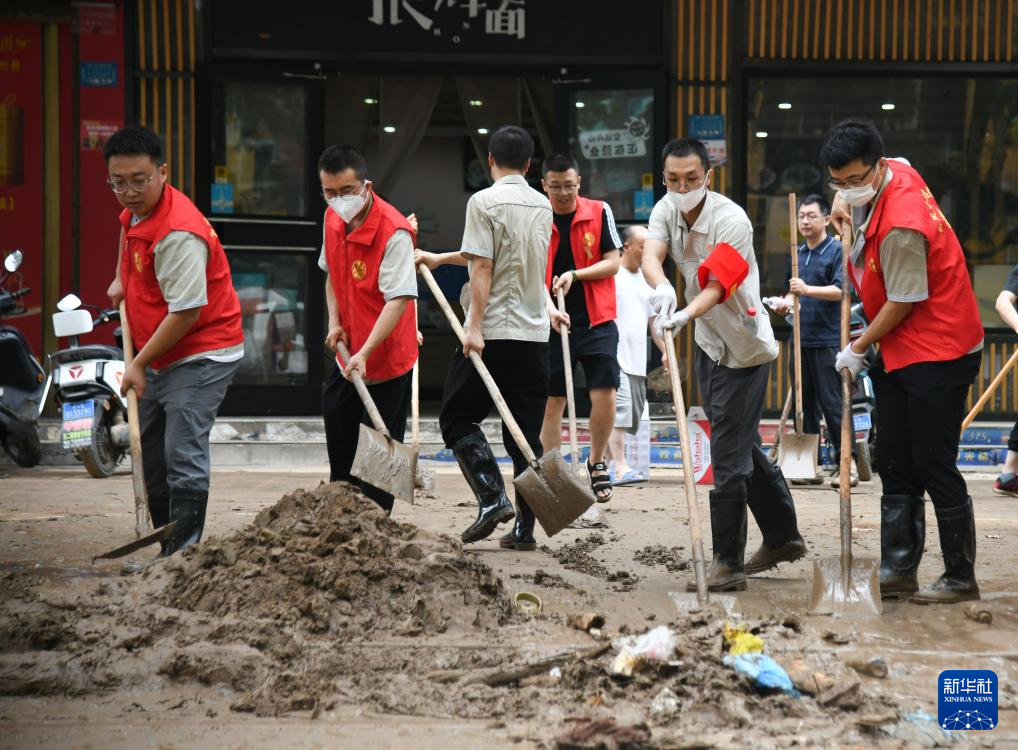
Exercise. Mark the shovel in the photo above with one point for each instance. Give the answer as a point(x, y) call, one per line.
point(570, 397)
point(989, 392)
point(845, 583)
point(141, 517)
point(380, 460)
point(797, 457)
point(554, 492)
point(773, 454)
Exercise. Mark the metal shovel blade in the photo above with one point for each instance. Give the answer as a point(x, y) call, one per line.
point(797, 455)
point(156, 536)
point(385, 463)
point(722, 605)
point(555, 494)
point(849, 586)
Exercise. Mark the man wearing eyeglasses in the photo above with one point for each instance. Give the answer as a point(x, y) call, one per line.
point(910, 272)
point(819, 288)
point(184, 318)
point(583, 260)
point(368, 255)
point(710, 239)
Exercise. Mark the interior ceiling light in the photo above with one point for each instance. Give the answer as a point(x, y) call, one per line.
point(761, 134)
point(785, 105)
point(887, 106)
point(370, 100)
point(389, 128)
point(580, 105)
point(482, 131)
point(476, 103)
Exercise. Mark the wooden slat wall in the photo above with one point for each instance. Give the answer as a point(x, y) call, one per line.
point(165, 94)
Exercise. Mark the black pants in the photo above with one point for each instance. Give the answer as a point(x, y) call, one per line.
point(343, 411)
point(919, 413)
point(821, 392)
point(733, 399)
point(1012, 440)
point(520, 370)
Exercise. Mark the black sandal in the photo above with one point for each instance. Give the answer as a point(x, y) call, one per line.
point(599, 484)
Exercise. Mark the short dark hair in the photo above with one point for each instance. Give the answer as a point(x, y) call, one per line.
point(685, 147)
point(336, 159)
point(849, 140)
point(821, 202)
point(511, 147)
point(627, 233)
point(135, 140)
point(560, 162)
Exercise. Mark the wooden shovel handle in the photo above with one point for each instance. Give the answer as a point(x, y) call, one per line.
point(796, 353)
point(695, 531)
point(570, 397)
point(362, 391)
point(989, 391)
point(847, 426)
point(141, 522)
point(782, 421)
point(482, 370)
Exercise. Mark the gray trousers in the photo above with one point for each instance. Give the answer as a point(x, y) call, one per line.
point(177, 412)
point(733, 399)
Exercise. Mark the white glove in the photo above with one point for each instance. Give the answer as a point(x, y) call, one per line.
point(662, 299)
point(669, 325)
point(849, 360)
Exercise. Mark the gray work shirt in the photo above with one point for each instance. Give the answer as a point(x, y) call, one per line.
point(397, 275)
point(510, 224)
point(726, 333)
point(180, 261)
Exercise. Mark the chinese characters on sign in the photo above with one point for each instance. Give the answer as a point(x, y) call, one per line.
point(967, 699)
point(616, 144)
point(501, 17)
point(710, 129)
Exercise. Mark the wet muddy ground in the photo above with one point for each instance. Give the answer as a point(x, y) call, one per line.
point(316, 622)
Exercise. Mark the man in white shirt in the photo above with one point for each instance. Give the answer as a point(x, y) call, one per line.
point(710, 239)
point(632, 302)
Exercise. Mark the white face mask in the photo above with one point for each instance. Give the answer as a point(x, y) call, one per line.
point(348, 206)
point(858, 196)
point(689, 200)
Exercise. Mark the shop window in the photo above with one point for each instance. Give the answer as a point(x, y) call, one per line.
point(259, 159)
point(272, 288)
point(611, 135)
point(960, 133)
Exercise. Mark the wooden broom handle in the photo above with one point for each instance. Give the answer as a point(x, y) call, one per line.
point(989, 391)
point(570, 397)
point(795, 313)
point(141, 520)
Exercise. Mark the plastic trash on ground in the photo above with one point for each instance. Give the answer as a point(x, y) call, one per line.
point(739, 641)
point(665, 702)
point(765, 673)
point(657, 645)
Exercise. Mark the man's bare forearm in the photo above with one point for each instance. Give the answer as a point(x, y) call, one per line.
point(330, 303)
point(607, 266)
point(702, 303)
point(392, 311)
point(171, 330)
point(890, 315)
point(480, 289)
point(1006, 310)
point(654, 252)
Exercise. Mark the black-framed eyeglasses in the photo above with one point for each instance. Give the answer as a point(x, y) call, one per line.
point(328, 195)
point(137, 184)
point(567, 188)
point(849, 184)
point(674, 184)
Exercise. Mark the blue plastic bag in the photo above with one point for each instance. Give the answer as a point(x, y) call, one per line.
point(765, 673)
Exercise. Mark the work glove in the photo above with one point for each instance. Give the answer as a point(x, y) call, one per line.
point(669, 325)
point(849, 360)
point(662, 299)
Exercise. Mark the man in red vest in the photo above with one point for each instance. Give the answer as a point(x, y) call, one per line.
point(909, 270)
point(184, 318)
point(368, 254)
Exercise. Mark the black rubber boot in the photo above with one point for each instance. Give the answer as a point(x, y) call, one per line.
point(770, 501)
point(728, 534)
point(480, 469)
point(187, 508)
point(521, 538)
point(159, 512)
point(902, 539)
point(958, 543)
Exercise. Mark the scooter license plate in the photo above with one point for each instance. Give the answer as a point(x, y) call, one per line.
point(76, 430)
point(861, 421)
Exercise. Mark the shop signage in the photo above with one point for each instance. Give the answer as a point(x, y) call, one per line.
point(711, 130)
point(99, 74)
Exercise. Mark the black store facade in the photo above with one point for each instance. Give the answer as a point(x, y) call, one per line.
point(418, 86)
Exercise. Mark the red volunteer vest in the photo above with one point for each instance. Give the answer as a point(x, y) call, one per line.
point(353, 261)
point(944, 326)
point(585, 240)
point(218, 324)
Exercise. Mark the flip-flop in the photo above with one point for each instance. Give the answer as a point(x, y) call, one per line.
point(630, 477)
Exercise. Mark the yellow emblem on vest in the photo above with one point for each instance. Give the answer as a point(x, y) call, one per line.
point(588, 241)
point(139, 264)
point(873, 265)
point(358, 270)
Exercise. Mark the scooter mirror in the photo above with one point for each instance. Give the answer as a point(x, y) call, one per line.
point(68, 303)
point(13, 260)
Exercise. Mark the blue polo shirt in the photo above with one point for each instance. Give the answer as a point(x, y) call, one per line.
point(819, 320)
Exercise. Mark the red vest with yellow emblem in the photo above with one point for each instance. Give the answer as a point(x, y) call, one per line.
point(354, 260)
point(585, 240)
point(944, 326)
point(218, 325)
